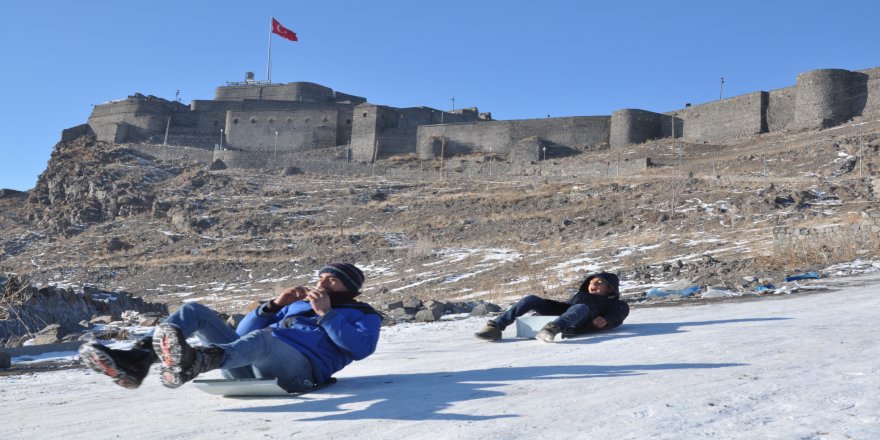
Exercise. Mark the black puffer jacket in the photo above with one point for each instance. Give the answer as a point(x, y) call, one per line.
point(610, 307)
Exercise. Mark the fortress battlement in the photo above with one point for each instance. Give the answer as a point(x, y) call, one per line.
point(260, 118)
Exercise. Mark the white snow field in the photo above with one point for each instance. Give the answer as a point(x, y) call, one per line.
point(789, 367)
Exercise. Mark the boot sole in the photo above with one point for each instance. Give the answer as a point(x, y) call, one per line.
point(487, 337)
point(168, 346)
point(101, 362)
point(545, 336)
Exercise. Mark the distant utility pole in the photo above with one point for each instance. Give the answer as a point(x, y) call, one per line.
point(765, 159)
point(490, 162)
point(721, 90)
point(860, 155)
point(453, 104)
point(167, 128)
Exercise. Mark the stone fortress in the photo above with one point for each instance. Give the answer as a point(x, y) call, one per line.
point(260, 125)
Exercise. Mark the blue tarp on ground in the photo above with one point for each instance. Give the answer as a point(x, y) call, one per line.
point(802, 276)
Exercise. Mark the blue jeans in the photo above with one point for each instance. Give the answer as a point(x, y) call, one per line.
point(257, 354)
point(571, 316)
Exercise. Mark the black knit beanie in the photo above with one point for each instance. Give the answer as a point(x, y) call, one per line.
point(348, 273)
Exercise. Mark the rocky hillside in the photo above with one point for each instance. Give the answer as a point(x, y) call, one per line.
point(702, 214)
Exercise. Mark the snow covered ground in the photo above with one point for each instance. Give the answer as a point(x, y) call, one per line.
point(791, 367)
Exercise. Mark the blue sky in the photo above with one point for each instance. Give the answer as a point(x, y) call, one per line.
point(516, 59)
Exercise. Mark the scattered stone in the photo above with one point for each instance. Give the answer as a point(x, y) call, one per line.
point(54, 333)
point(292, 171)
point(217, 164)
point(428, 315)
point(116, 244)
point(412, 304)
point(104, 319)
point(149, 321)
point(484, 308)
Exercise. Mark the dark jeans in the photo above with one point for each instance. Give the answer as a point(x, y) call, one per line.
point(570, 316)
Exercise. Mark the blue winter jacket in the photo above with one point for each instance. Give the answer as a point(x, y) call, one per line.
point(330, 342)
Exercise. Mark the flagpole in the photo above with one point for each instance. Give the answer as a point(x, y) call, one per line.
point(269, 59)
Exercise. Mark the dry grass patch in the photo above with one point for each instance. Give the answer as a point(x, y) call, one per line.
point(826, 249)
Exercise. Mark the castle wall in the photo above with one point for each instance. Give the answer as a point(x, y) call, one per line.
point(296, 91)
point(344, 116)
point(393, 131)
point(865, 230)
point(76, 132)
point(204, 105)
point(304, 129)
point(175, 153)
point(724, 120)
point(828, 97)
point(780, 108)
point(463, 139)
point(364, 127)
point(394, 141)
point(310, 117)
point(210, 116)
point(349, 99)
point(872, 91)
point(633, 126)
point(134, 118)
point(210, 123)
point(578, 132)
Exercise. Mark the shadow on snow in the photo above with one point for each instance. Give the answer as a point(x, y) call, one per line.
point(425, 396)
point(652, 329)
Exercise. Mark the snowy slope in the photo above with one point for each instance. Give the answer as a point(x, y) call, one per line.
point(791, 367)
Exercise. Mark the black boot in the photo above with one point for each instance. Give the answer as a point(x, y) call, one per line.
point(127, 367)
point(180, 362)
point(548, 333)
point(491, 332)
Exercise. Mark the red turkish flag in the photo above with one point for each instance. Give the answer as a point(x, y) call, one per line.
point(283, 31)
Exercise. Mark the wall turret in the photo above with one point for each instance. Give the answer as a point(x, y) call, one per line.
point(634, 126)
point(828, 97)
